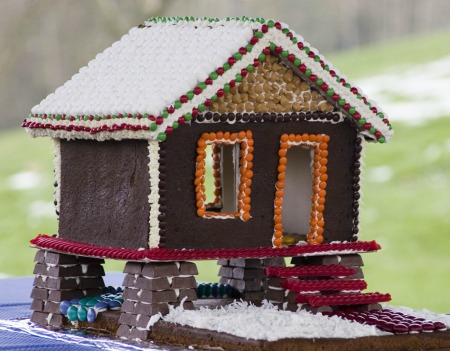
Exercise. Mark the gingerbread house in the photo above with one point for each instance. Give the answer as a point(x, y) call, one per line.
point(193, 139)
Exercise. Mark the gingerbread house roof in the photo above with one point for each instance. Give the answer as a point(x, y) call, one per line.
point(163, 73)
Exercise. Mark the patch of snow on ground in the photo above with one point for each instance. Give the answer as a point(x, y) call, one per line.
point(24, 180)
point(268, 323)
point(413, 94)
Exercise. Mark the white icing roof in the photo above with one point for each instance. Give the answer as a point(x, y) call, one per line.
point(121, 93)
point(146, 71)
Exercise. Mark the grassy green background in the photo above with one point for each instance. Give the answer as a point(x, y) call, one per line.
point(408, 213)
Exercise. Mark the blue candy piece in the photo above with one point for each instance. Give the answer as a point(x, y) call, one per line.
point(74, 301)
point(91, 315)
point(101, 306)
point(114, 305)
point(64, 306)
point(82, 313)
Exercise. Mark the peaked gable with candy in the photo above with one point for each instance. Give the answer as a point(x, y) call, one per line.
point(167, 71)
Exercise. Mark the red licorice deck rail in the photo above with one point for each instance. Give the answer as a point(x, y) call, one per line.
point(76, 248)
point(342, 299)
point(332, 270)
point(320, 285)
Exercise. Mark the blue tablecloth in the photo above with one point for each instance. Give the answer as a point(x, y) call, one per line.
point(17, 333)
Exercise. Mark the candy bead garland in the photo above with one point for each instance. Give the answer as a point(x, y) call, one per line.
point(87, 309)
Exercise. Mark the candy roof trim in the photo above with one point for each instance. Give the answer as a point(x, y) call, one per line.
point(123, 94)
point(43, 241)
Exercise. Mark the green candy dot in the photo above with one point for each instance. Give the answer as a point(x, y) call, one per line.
point(285, 30)
point(202, 85)
point(249, 47)
point(190, 95)
point(165, 114)
point(362, 121)
point(262, 57)
point(308, 72)
point(259, 35)
point(348, 85)
point(272, 47)
point(162, 136)
point(306, 49)
point(238, 77)
point(270, 24)
point(58, 117)
point(213, 75)
point(86, 118)
point(226, 88)
point(237, 56)
point(177, 104)
point(341, 102)
point(330, 92)
point(188, 116)
point(153, 127)
point(226, 66)
point(380, 114)
point(352, 110)
point(113, 117)
point(326, 68)
point(214, 97)
point(317, 58)
point(201, 107)
point(359, 96)
point(284, 54)
point(319, 82)
point(294, 40)
point(372, 130)
point(175, 125)
point(250, 68)
point(381, 139)
point(297, 62)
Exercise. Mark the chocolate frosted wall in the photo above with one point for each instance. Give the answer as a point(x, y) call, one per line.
point(104, 192)
point(182, 228)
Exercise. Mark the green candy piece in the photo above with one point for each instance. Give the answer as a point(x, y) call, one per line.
point(226, 88)
point(162, 136)
point(165, 114)
point(259, 34)
point(226, 66)
point(362, 121)
point(250, 68)
point(72, 313)
point(297, 62)
point(190, 94)
point(284, 54)
point(381, 139)
point(202, 85)
point(238, 77)
point(330, 92)
point(201, 107)
point(175, 125)
point(82, 313)
point(308, 72)
point(85, 301)
point(237, 56)
point(188, 116)
point(272, 47)
point(222, 290)
point(200, 290)
point(262, 57)
point(341, 102)
point(249, 47)
point(270, 23)
point(177, 104)
point(352, 110)
point(208, 290)
point(319, 82)
point(213, 75)
point(153, 127)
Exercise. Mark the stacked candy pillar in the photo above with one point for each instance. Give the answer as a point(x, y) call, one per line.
point(62, 277)
point(149, 289)
point(247, 276)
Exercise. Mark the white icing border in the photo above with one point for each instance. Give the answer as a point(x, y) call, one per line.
point(153, 198)
point(57, 176)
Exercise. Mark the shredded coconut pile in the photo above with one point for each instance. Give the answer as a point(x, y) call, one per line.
point(268, 323)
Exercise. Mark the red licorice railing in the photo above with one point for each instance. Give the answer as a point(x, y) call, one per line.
point(76, 248)
point(321, 285)
point(342, 299)
point(332, 270)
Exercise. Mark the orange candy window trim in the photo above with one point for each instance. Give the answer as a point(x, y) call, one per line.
point(318, 143)
point(244, 139)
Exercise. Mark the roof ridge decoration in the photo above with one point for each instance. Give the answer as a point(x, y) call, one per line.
point(263, 38)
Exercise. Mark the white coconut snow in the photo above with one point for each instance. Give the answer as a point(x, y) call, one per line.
point(268, 323)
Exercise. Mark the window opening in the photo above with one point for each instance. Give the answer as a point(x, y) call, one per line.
point(223, 174)
point(300, 189)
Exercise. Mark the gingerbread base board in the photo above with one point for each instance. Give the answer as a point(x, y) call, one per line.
point(170, 333)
